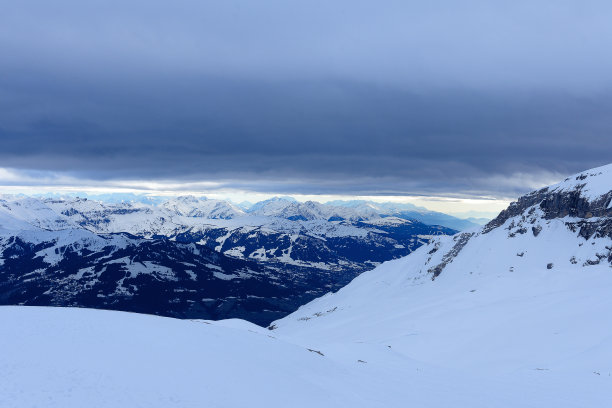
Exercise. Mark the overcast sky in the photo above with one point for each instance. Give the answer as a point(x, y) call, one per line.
point(346, 97)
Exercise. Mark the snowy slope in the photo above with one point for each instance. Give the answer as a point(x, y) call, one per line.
point(65, 358)
point(490, 307)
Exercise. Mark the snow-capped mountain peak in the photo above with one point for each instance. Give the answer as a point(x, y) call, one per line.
point(591, 184)
point(190, 206)
point(310, 210)
point(27, 210)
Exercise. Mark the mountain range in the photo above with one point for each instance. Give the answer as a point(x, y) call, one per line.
point(189, 257)
point(515, 313)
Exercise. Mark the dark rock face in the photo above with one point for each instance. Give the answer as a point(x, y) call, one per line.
point(588, 229)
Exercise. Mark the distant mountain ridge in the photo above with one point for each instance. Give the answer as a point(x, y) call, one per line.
point(284, 207)
point(409, 212)
point(191, 257)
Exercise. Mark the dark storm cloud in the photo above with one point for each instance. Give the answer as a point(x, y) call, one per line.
point(307, 97)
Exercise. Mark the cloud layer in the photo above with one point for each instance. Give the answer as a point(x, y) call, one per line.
point(345, 97)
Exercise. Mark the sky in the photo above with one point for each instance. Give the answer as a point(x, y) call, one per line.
point(457, 105)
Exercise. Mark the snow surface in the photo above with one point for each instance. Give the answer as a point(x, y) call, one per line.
point(54, 357)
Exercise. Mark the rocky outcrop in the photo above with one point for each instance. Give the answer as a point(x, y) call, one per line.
point(560, 203)
point(461, 241)
point(583, 203)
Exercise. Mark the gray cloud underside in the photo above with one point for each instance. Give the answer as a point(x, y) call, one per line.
point(308, 97)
